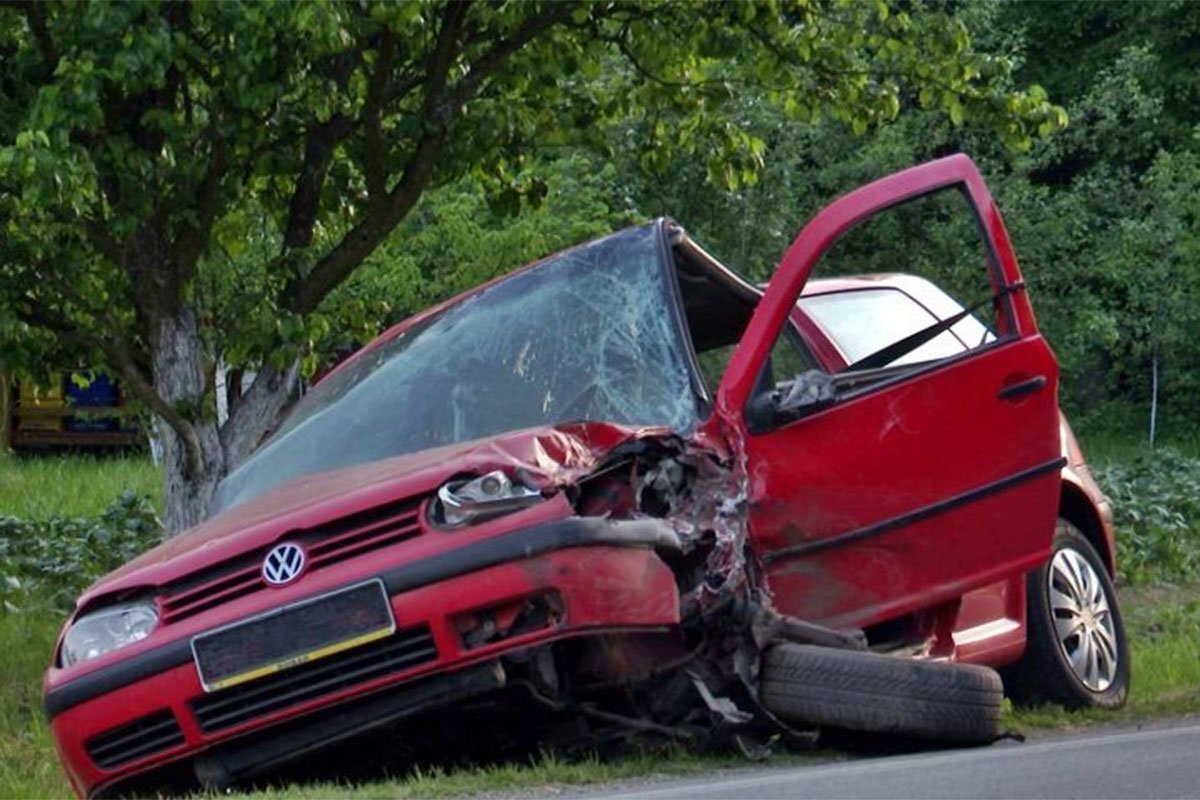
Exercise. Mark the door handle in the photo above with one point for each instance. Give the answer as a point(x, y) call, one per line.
point(1022, 388)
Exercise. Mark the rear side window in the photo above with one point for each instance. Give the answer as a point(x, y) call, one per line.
point(862, 322)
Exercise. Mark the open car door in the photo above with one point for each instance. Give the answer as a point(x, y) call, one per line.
point(914, 475)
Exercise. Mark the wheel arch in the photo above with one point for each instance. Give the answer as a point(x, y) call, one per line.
point(1077, 508)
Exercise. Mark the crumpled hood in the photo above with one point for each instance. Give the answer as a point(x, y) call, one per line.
point(549, 457)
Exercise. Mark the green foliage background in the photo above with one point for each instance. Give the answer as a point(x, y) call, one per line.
point(45, 564)
point(610, 121)
point(1105, 214)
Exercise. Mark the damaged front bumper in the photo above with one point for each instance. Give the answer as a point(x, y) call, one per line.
point(457, 612)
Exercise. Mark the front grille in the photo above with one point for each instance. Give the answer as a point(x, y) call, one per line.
point(326, 544)
point(397, 653)
point(138, 739)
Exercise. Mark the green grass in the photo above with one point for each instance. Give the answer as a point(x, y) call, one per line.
point(28, 766)
point(543, 773)
point(1102, 447)
point(1163, 623)
point(72, 486)
point(1163, 626)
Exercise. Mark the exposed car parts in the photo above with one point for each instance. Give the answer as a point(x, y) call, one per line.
point(625, 493)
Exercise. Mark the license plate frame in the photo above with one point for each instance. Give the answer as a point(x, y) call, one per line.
point(381, 627)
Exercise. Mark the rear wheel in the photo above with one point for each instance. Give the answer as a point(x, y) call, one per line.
point(868, 692)
point(1076, 653)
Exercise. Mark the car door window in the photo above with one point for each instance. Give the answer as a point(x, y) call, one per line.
point(892, 292)
point(788, 358)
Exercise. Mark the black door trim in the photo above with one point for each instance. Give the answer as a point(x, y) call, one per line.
point(925, 512)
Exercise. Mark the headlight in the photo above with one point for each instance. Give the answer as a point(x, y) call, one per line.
point(476, 499)
point(106, 630)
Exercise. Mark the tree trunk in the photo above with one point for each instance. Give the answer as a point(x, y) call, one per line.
point(256, 411)
point(193, 459)
point(5, 413)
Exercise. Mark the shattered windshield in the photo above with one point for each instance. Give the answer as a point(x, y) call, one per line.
point(588, 334)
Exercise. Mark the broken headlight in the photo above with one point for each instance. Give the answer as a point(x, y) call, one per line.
point(465, 502)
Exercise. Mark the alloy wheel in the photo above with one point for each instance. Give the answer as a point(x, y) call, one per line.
point(1083, 620)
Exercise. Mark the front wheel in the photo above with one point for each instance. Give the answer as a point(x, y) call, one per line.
point(1076, 653)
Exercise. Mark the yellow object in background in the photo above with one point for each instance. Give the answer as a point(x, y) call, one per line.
point(36, 396)
point(49, 395)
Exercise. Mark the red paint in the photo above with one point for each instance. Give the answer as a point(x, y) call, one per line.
point(592, 581)
point(890, 451)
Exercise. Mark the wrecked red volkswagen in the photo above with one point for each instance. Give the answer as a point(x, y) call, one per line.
point(633, 491)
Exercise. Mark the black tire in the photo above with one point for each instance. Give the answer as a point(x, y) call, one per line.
point(1044, 673)
point(860, 691)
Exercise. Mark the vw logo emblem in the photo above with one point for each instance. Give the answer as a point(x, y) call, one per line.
point(283, 564)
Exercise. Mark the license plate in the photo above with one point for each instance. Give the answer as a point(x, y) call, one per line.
point(293, 635)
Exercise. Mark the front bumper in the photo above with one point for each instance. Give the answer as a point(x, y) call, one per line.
point(150, 710)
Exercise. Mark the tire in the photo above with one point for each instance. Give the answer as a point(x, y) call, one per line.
point(1045, 673)
point(859, 691)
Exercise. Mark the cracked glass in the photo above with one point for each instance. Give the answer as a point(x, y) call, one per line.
point(589, 334)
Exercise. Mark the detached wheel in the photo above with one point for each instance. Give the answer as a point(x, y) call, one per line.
point(1076, 654)
point(868, 692)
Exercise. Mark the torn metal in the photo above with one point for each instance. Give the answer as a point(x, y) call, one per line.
point(727, 616)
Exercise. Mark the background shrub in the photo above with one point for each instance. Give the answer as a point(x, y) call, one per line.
point(49, 562)
point(1156, 504)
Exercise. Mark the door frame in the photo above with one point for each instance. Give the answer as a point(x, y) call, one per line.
point(741, 377)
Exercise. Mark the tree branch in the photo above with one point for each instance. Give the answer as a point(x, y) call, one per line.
point(102, 239)
point(319, 145)
point(489, 62)
point(256, 411)
point(321, 140)
point(35, 15)
point(304, 293)
point(374, 149)
point(447, 48)
point(193, 239)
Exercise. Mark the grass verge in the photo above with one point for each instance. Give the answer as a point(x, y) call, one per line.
point(1164, 631)
point(28, 765)
point(1163, 626)
point(546, 772)
point(73, 486)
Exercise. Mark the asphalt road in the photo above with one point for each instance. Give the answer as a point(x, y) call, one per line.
point(1160, 762)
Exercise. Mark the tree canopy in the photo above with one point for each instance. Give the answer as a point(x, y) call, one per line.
point(1103, 213)
point(184, 184)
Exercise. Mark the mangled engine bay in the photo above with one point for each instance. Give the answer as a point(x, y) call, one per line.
point(695, 685)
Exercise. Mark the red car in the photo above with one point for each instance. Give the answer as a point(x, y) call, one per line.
point(627, 487)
